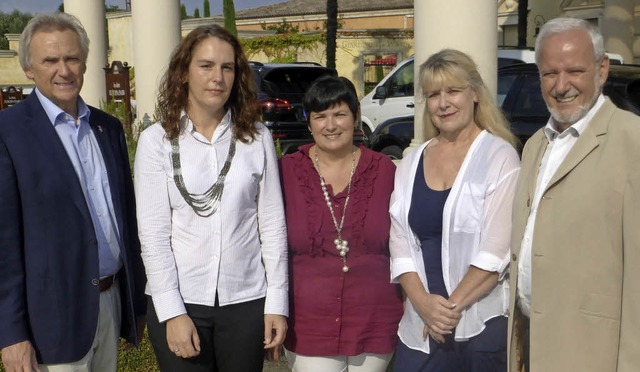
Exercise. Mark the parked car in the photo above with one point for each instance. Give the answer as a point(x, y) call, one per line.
point(391, 98)
point(281, 87)
point(392, 137)
point(521, 100)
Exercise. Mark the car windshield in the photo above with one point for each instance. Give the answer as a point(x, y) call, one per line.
point(291, 80)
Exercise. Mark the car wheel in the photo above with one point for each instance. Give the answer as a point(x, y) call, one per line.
point(393, 152)
point(366, 130)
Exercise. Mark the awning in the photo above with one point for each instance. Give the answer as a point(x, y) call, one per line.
point(390, 60)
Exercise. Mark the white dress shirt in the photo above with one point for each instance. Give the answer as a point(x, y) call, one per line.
point(240, 251)
point(559, 146)
point(476, 231)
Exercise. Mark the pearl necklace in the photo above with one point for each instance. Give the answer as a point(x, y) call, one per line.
point(341, 244)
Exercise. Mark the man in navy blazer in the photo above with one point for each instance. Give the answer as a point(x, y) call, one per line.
point(71, 275)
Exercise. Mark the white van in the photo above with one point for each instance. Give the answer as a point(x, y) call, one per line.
point(393, 96)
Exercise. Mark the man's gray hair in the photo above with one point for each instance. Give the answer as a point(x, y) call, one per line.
point(47, 23)
point(558, 25)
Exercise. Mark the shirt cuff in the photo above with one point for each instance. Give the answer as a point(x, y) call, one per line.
point(168, 305)
point(277, 302)
point(488, 262)
point(400, 266)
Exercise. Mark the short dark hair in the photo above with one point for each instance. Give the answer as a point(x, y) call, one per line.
point(328, 91)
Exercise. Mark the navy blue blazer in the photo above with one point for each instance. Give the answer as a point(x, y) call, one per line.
point(49, 275)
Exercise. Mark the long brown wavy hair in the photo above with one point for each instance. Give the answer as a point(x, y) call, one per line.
point(174, 87)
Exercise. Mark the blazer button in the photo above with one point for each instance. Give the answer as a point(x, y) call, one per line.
point(514, 258)
point(95, 282)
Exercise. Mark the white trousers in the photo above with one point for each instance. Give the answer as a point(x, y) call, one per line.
point(365, 362)
point(103, 354)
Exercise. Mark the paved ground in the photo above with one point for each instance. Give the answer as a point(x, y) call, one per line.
point(276, 367)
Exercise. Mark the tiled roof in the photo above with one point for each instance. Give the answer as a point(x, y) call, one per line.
point(307, 7)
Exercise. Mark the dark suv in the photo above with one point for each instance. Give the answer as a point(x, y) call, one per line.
point(281, 87)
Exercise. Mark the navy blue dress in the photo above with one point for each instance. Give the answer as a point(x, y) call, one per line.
point(485, 352)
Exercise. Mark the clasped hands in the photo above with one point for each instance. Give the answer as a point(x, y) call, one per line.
point(440, 316)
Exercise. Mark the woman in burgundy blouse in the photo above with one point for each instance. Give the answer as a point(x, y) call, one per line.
point(344, 313)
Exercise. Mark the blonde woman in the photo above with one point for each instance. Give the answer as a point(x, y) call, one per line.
point(451, 225)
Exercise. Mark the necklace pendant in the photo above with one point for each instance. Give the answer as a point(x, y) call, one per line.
point(341, 245)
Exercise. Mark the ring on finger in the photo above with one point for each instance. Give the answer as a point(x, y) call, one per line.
point(176, 351)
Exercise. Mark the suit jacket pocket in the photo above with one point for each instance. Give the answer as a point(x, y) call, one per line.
point(601, 305)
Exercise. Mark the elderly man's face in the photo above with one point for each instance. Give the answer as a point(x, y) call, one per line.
point(57, 67)
point(571, 80)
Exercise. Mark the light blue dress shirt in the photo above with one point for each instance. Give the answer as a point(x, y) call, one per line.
point(83, 150)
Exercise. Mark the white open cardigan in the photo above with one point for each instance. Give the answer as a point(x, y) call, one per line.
point(476, 231)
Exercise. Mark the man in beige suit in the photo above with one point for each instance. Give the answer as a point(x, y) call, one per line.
point(575, 270)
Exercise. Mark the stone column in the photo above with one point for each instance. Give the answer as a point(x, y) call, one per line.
point(618, 28)
point(156, 32)
point(91, 14)
point(457, 24)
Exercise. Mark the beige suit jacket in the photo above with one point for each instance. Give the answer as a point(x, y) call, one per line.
point(585, 305)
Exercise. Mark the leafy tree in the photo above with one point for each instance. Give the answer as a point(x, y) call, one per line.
point(111, 8)
point(61, 8)
point(196, 13)
point(332, 31)
point(206, 9)
point(285, 45)
point(229, 11)
point(183, 12)
point(12, 23)
point(281, 28)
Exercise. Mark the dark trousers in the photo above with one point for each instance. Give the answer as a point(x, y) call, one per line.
point(486, 352)
point(231, 338)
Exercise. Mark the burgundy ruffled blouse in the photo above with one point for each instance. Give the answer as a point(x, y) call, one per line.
point(332, 312)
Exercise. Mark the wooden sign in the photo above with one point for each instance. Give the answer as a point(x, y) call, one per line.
point(118, 86)
point(10, 96)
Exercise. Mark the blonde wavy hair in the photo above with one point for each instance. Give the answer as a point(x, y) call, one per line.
point(452, 66)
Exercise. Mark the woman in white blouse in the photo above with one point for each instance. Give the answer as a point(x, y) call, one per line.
point(210, 214)
point(451, 225)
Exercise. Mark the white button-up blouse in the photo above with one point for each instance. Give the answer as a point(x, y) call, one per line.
point(240, 251)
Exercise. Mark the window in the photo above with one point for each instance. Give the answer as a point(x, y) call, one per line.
point(529, 102)
point(504, 85)
point(401, 83)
